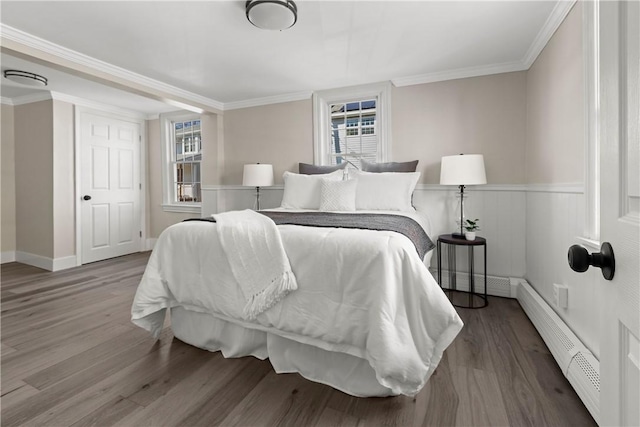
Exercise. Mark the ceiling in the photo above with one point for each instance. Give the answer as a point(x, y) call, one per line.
point(209, 49)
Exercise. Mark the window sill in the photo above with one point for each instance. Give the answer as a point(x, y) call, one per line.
point(186, 208)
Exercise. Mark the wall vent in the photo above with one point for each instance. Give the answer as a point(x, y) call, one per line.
point(580, 367)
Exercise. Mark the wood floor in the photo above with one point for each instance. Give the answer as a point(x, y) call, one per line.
point(71, 357)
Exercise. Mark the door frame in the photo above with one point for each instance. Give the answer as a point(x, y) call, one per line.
point(620, 224)
point(79, 110)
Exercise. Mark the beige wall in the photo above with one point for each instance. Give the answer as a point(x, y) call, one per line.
point(157, 218)
point(64, 227)
point(478, 115)
point(280, 134)
point(555, 107)
point(212, 149)
point(8, 202)
point(34, 171)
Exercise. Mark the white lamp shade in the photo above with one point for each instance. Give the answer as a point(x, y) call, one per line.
point(257, 175)
point(463, 169)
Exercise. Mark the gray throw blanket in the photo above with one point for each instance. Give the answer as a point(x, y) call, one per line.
point(367, 221)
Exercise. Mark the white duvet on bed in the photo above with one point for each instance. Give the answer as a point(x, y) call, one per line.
point(360, 292)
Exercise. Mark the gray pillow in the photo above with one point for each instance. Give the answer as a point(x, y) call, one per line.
point(389, 167)
point(307, 169)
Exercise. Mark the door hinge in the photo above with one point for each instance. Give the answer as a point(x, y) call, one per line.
point(140, 233)
point(140, 186)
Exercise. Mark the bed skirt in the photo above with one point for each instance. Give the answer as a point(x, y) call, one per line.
point(349, 374)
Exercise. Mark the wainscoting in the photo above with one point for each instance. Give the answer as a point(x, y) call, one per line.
point(528, 228)
point(501, 210)
point(555, 221)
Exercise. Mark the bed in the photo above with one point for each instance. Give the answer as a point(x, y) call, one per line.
point(367, 317)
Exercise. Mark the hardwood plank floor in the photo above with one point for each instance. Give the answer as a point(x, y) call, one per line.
point(70, 356)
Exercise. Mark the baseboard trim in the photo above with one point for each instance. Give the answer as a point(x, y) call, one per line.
point(7, 256)
point(64, 263)
point(150, 243)
point(496, 285)
point(46, 263)
point(35, 260)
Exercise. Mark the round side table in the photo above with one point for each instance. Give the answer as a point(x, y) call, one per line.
point(461, 298)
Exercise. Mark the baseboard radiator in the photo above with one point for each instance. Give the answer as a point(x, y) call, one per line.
point(580, 367)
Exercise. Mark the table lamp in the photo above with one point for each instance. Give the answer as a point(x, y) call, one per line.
point(462, 170)
point(257, 175)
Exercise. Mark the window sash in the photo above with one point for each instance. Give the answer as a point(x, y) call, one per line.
point(339, 104)
point(352, 130)
point(182, 139)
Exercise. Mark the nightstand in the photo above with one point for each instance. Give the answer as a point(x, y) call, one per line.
point(470, 298)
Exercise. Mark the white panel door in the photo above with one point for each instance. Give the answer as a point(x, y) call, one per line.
point(620, 211)
point(110, 187)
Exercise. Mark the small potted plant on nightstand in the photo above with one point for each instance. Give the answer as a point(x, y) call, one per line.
point(471, 226)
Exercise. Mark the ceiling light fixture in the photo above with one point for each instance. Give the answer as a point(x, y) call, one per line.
point(272, 14)
point(25, 78)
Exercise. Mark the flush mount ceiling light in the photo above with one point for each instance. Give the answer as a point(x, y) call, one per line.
point(25, 78)
point(272, 14)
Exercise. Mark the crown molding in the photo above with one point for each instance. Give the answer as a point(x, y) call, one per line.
point(31, 98)
point(554, 20)
point(26, 39)
point(551, 25)
point(276, 99)
point(6, 101)
point(556, 17)
point(77, 101)
point(460, 73)
point(94, 105)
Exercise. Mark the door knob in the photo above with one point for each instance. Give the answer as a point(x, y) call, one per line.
point(87, 197)
point(580, 260)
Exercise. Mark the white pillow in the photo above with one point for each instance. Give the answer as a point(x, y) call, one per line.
point(388, 191)
point(338, 195)
point(303, 191)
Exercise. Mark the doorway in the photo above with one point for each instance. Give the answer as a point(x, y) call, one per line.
point(110, 213)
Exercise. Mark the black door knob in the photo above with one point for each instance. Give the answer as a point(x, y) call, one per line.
point(87, 197)
point(580, 260)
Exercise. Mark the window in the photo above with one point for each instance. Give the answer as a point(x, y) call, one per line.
point(352, 124)
point(182, 138)
point(186, 162)
point(359, 140)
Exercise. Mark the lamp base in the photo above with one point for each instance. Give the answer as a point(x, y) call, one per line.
point(458, 236)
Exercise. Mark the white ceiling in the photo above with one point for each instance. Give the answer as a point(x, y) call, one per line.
point(211, 50)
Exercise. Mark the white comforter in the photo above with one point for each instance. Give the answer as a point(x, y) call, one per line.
point(360, 292)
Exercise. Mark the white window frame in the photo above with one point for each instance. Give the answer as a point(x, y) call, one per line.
point(166, 137)
point(322, 118)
